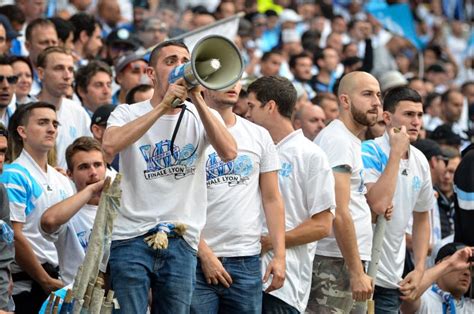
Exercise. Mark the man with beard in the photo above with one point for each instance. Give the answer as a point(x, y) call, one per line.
point(69, 223)
point(399, 174)
point(338, 270)
point(228, 276)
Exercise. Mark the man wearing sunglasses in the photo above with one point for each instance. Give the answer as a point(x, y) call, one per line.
point(7, 88)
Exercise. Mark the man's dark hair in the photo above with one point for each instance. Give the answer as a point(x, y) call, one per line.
point(39, 22)
point(465, 85)
point(5, 60)
point(278, 89)
point(20, 118)
point(83, 22)
point(84, 74)
point(14, 13)
point(394, 95)
point(294, 59)
point(268, 54)
point(429, 99)
point(445, 95)
point(155, 52)
point(63, 28)
point(130, 98)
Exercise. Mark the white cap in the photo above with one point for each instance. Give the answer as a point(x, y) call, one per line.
point(288, 15)
point(391, 79)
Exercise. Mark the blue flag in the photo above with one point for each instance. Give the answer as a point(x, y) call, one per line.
point(398, 19)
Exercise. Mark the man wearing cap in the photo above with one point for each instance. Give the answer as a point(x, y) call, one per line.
point(94, 85)
point(445, 137)
point(98, 126)
point(119, 42)
point(443, 286)
point(397, 174)
point(130, 71)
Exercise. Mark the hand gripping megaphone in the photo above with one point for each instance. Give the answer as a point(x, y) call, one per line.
point(216, 64)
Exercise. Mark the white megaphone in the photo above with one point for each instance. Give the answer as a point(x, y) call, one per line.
point(216, 64)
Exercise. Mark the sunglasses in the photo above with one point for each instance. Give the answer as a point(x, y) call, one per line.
point(10, 79)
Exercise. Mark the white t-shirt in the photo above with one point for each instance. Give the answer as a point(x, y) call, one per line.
point(344, 148)
point(71, 241)
point(31, 191)
point(74, 123)
point(158, 186)
point(413, 193)
point(432, 303)
point(307, 186)
point(234, 210)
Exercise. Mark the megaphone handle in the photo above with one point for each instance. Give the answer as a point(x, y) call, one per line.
point(176, 102)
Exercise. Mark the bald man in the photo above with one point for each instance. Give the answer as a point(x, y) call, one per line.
point(310, 119)
point(338, 271)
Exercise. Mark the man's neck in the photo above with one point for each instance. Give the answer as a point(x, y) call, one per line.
point(46, 97)
point(324, 76)
point(354, 127)
point(122, 95)
point(227, 115)
point(40, 157)
point(280, 129)
point(457, 296)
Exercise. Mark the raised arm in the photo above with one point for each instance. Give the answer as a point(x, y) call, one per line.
point(57, 215)
point(380, 194)
point(219, 137)
point(118, 138)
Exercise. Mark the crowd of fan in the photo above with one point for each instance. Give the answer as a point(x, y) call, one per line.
point(87, 57)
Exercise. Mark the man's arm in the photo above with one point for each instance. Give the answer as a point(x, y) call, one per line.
point(421, 239)
point(275, 217)
point(457, 261)
point(212, 268)
point(380, 194)
point(361, 283)
point(217, 133)
point(26, 259)
point(118, 138)
point(60, 213)
point(312, 229)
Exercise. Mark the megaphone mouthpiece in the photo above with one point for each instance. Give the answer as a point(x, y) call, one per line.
point(206, 68)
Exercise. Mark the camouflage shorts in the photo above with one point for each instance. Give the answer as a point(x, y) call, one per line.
point(331, 288)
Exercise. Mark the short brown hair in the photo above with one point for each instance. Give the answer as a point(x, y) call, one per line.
point(42, 59)
point(81, 144)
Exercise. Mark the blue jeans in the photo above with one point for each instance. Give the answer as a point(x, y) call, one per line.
point(243, 296)
point(273, 305)
point(387, 301)
point(135, 267)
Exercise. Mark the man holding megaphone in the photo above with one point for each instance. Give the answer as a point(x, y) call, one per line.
point(164, 192)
